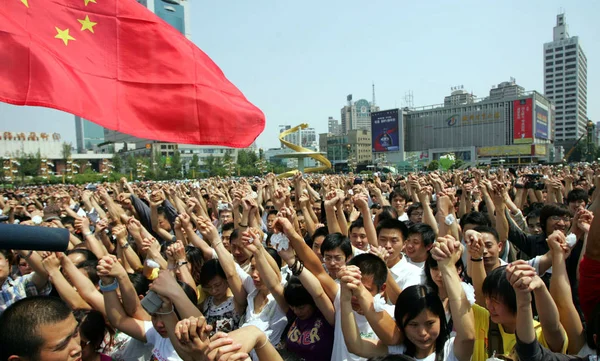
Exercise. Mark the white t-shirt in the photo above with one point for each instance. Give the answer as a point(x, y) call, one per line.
point(421, 265)
point(127, 348)
point(406, 274)
point(271, 319)
point(448, 351)
point(403, 217)
point(163, 349)
point(340, 351)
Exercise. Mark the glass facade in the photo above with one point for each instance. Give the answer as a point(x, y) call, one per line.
point(171, 12)
point(88, 134)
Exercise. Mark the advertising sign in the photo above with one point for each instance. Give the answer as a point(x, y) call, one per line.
point(541, 121)
point(384, 131)
point(504, 150)
point(523, 122)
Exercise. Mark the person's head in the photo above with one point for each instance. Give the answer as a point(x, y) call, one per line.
point(225, 216)
point(271, 217)
point(398, 199)
point(226, 233)
point(472, 220)
point(79, 255)
point(387, 212)
point(195, 260)
point(163, 220)
point(69, 223)
point(158, 320)
point(39, 328)
point(140, 284)
point(347, 206)
point(240, 253)
point(92, 332)
point(317, 209)
point(415, 213)
point(421, 317)
point(31, 207)
point(500, 297)
point(391, 234)
point(213, 279)
point(269, 206)
point(358, 235)
point(419, 241)
point(433, 275)
point(376, 209)
point(24, 267)
point(555, 217)
point(534, 225)
point(577, 199)
point(336, 250)
point(301, 223)
point(5, 264)
point(298, 298)
point(89, 269)
point(254, 270)
point(374, 274)
point(492, 247)
point(317, 240)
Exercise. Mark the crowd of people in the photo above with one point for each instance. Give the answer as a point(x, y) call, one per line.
point(482, 264)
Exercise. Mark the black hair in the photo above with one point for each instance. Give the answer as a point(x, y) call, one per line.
point(90, 268)
point(228, 227)
point(490, 230)
point(272, 212)
point(535, 213)
point(93, 327)
point(413, 207)
point(476, 218)
point(359, 223)
point(411, 302)
point(319, 232)
point(426, 232)
point(337, 240)
point(431, 263)
point(273, 253)
point(393, 224)
point(236, 234)
point(498, 287)
point(8, 255)
point(550, 210)
point(371, 265)
point(577, 194)
point(398, 192)
point(190, 292)
point(89, 255)
point(20, 325)
point(140, 283)
point(196, 260)
point(68, 220)
point(296, 295)
point(211, 269)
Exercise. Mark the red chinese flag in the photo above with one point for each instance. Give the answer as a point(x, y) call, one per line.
point(119, 65)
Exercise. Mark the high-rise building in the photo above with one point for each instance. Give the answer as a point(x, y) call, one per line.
point(306, 137)
point(357, 115)
point(565, 83)
point(334, 127)
point(88, 134)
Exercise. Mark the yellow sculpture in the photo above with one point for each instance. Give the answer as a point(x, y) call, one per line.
point(301, 153)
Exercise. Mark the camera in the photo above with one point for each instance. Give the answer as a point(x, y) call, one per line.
point(533, 182)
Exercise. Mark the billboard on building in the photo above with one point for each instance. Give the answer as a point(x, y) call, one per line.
point(385, 132)
point(541, 121)
point(522, 121)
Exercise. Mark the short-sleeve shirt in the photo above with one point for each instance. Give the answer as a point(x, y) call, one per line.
point(22, 287)
point(310, 339)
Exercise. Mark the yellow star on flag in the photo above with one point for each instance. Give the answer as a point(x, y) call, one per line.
point(86, 24)
point(89, 1)
point(64, 36)
point(25, 2)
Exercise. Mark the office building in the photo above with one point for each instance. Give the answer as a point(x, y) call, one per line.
point(353, 146)
point(357, 115)
point(306, 137)
point(565, 83)
point(459, 96)
point(88, 135)
point(334, 127)
point(509, 125)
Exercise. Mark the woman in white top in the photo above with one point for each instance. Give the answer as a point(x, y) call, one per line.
point(248, 291)
point(419, 315)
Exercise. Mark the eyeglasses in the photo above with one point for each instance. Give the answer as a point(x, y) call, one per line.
point(336, 259)
point(23, 265)
point(565, 219)
point(270, 207)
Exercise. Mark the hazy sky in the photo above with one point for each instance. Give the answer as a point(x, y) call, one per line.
point(297, 61)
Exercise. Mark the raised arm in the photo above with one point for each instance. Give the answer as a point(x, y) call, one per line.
point(331, 200)
point(475, 267)
point(63, 287)
point(362, 203)
point(86, 289)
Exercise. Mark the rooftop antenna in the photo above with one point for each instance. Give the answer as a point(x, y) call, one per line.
point(373, 94)
point(408, 99)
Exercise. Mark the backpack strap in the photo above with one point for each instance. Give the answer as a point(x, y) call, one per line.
point(494, 340)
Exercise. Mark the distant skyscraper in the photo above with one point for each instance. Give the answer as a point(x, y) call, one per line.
point(357, 115)
point(88, 134)
point(565, 83)
point(334, 127)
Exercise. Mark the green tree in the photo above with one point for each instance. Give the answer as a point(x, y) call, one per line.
point(433, 165)
point(175, 169)
point(117, 162)
point(67, 150)
point(194, 166)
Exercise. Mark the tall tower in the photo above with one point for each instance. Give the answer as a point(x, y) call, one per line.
point(565, 83)
point(87, 134)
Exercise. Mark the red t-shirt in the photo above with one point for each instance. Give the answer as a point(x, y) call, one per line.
point(589, 286)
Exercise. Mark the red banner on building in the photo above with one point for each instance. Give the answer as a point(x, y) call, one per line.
point(523, 121)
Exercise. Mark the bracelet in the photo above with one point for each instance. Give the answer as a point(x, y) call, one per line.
point(476, 259)
point(263, 345)
point(88, 233)
point(166, 313)
point(28, 255)
point(216, 244)
point(243, 225)
point(109, 287)
point(125, 246)
point(298, 268)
